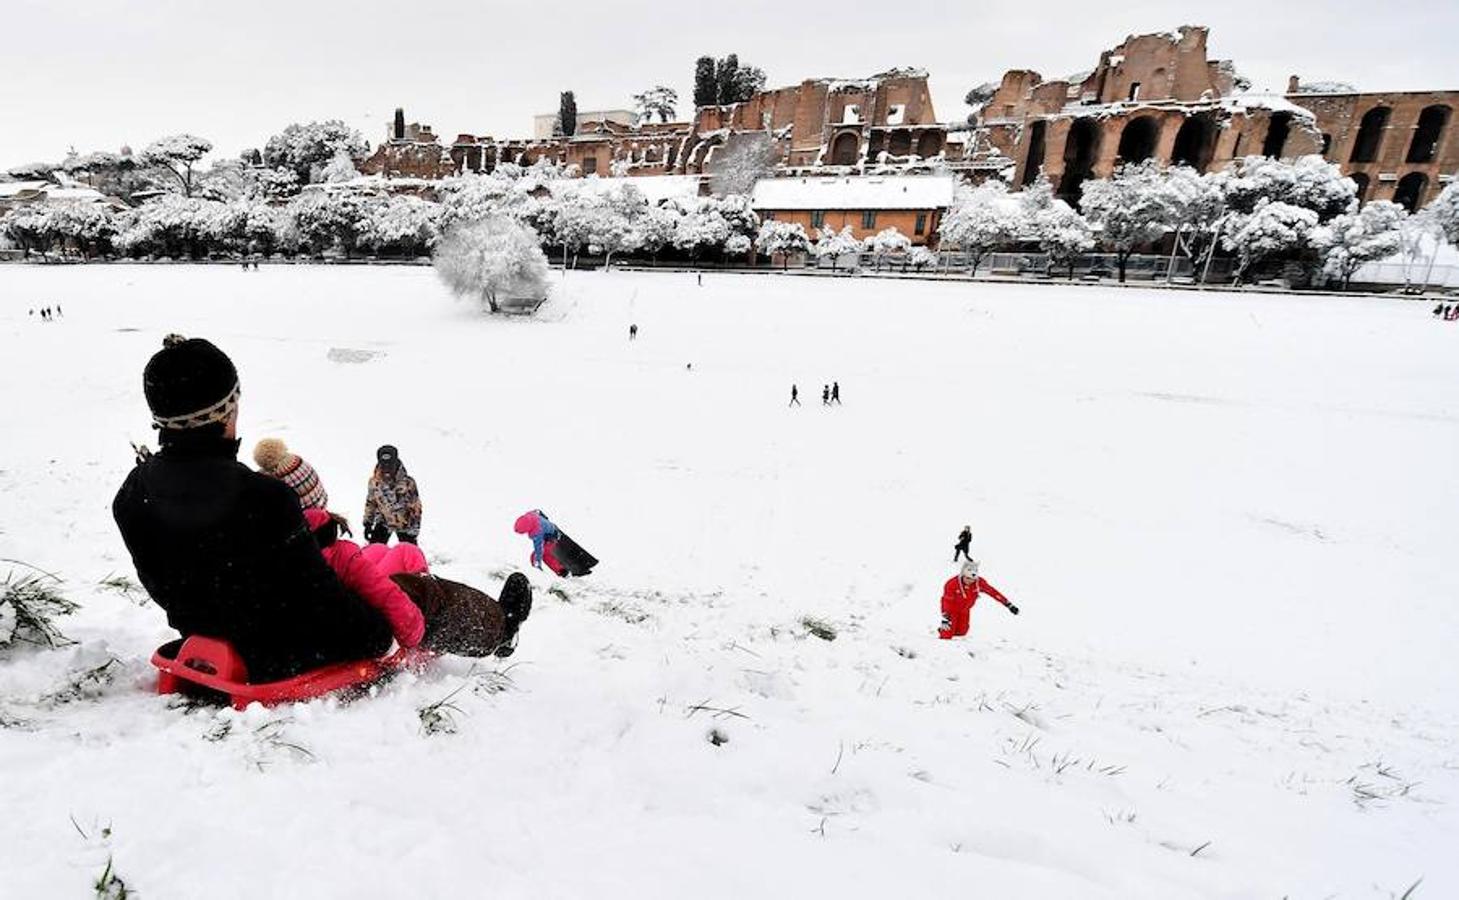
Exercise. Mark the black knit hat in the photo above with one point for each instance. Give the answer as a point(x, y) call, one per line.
point(387, 454)
point(189, 383)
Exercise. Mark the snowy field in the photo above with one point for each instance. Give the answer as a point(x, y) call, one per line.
point(1229, 521)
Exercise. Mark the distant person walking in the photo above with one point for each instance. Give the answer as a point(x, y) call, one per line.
point(794, 395)
point(633, 332)
point(700, 277)
point(826, 395)
point(836, 392)
point(964, 542)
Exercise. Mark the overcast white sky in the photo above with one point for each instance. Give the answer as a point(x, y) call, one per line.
point(95, 75)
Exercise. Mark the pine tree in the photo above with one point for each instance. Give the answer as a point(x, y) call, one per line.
point(567, 113)
point(706, 88)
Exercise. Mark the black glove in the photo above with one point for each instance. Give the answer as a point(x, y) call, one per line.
point(1013, 609)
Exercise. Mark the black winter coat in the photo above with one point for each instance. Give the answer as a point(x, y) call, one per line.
point(226, 553)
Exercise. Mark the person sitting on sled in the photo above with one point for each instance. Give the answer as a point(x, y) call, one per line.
point(226, 553)
point(958, 597)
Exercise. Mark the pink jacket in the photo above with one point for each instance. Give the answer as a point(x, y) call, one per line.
point(371, 582)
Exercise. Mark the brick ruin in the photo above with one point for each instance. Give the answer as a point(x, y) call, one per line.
point(1154, 96)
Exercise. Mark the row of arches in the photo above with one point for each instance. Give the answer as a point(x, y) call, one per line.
point(846, 146)
point(1408, 193)
point(1424, 146)
point(1195, 145)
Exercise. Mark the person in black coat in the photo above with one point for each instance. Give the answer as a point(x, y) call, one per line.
point(222, 549)
point(964, 542)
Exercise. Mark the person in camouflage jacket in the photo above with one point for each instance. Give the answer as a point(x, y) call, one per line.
point(392, 503)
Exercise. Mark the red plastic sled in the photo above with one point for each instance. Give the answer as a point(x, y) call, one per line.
point(202, 664)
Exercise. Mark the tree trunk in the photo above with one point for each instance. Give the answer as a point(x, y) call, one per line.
point(1120, 260)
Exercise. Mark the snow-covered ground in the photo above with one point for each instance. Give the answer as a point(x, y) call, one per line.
point(1229, 523)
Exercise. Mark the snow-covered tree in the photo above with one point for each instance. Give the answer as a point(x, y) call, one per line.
point(784, 238)
point(278, 184)
point(571, 217)
point(656, 229)
point(320, 220)
point(834, 244)
point(401, 226)
point(888, 242)
point(1310, 182)
point(659, 100)
point(28, 227)
point(1354, 239)
point(225, 180)
point(1443, 211)
point(308, 148)
point(88, 228)
point(495, 259)
point(340, 168)
point(708, 222)
point(1060, 230)
point(736, 166)
point(921, 258)
point(176, 155)
point(980, 220)
point(1273, 229)
point(1131, 209)
point(506, 191)
point(1198, 209)
point(173, 225)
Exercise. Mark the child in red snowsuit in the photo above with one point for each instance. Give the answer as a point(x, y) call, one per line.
point(958, 597)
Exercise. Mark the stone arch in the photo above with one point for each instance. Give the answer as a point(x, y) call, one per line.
point(1278, 128)
point(1195, 143)
point(1428, 133)
point(1137, 139)
point(1361, 181)
point(1081, 149)
point(1033, 163)
point(1410, 191)
point(1370, 135)
point(844, 149)
point(900, 142)
point(929, 144)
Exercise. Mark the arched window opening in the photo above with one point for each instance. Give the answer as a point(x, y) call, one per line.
point(1410, 192)
point(1033, 163)
point(1277, 131)
point(1137, 140)
point(843, 149)
point(1081, 148)
point(929, 144)
point(1370, 135)
point(1426, 136)
point(1361, 181)
point(1195, 143)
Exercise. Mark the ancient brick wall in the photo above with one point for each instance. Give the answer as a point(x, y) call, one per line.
point(1407, 156)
